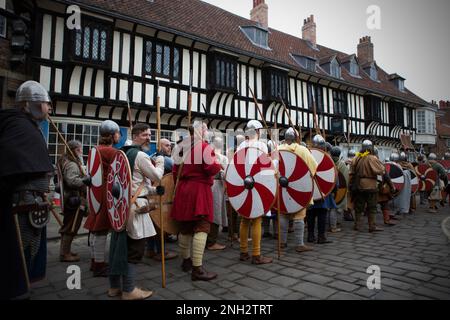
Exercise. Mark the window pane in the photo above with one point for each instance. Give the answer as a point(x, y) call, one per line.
point(158, 58)
point(148, 56)
point(103, 46)
point(166, 70)
point(218, 72)
point(222, 73)
point(176, 63)
point(78, 42)
point(95, 44)
point(228, 75)
point(87, 41)
point(232, 75)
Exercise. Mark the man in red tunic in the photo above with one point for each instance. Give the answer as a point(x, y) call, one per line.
point(98, 224)
point(193, 202)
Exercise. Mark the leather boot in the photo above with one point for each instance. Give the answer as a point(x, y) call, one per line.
point(100, 269)
point(65, 255)
point(200, 274)
point(261, 260)
point(244, 256)
point(186, 266)
point(323, 240)
point(357, 224)
point(372, 225)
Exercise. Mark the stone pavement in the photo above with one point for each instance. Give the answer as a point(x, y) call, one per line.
point(414, 258)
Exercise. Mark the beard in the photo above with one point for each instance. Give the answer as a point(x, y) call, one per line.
point(146, 146)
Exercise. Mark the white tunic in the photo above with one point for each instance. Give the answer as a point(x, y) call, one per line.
point(140, 226)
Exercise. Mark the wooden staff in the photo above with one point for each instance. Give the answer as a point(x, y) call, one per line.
point(259, 111)
point(22, 254)
point(129, 112)
point(190, 100)
point(289, 118)
point(58, 219)
point(158, 144)
point(278, 216)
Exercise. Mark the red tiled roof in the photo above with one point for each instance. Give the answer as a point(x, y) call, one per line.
point(198, 19)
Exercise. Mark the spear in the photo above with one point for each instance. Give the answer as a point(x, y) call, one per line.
point(129, 112)
point(259, 111)
point(158, 143)
point(190, 100)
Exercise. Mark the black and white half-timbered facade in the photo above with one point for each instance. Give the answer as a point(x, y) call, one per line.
point(133, 51)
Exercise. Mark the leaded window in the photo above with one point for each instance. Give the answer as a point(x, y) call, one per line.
point(340, 102)
point(90, 43)
point(223, 73)
point(161, 60)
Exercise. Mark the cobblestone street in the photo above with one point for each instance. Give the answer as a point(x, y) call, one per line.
point(414, 258)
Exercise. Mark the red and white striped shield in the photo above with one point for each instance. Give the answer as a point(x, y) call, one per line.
point(95, 171)
point(427, 177)
point(295, 182)
point(326, 175)
point(414, 182)
point(118, 191)
point(251, 183)
point(395, 172)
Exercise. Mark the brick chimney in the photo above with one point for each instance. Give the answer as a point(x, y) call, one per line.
point(365, 50)
point(309, 30)
point(260, 13)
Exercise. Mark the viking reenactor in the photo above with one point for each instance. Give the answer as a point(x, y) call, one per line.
point(97, 221)
point(193, 201)
point(337, 214)
point(154, 243)
point(364, 170)
point(447, 189)
point(253, 133)
point(320, 207)
point(25, 174)
point(386, 192)
point(218, 191)
point(291, 145)
point(441, 183)
point(74, 182)
point(421, 159)
point(128, 245)
point(402, 202)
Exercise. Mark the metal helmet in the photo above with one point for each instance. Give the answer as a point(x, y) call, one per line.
point(335, 152)
point(319, 141)
point(109, 127)
point(403, 156)
point(290, 134)
point(367, 143)
point(432, 156)
point(254, 124)
point(351, 153)
point(447, 156)
point(394, 157)
point(32, 91)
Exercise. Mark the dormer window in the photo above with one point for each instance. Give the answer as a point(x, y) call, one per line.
point(373, 73)
point(335, 70)
point(305, 62)
point(354, 68)
point(401, 85)
point(398, 81)
point(258, 36)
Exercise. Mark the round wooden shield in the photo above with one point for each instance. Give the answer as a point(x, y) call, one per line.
point(118, 191)
point(170, 226)
point(427, 177)
point(60, 185)
point(395, 172)
point(295, 182)
point(251, 183)
point(414, 182)
point(95, 171)
point(326, 175)
point(342, 189)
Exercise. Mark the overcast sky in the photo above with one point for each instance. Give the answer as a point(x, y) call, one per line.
point(414, 39)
